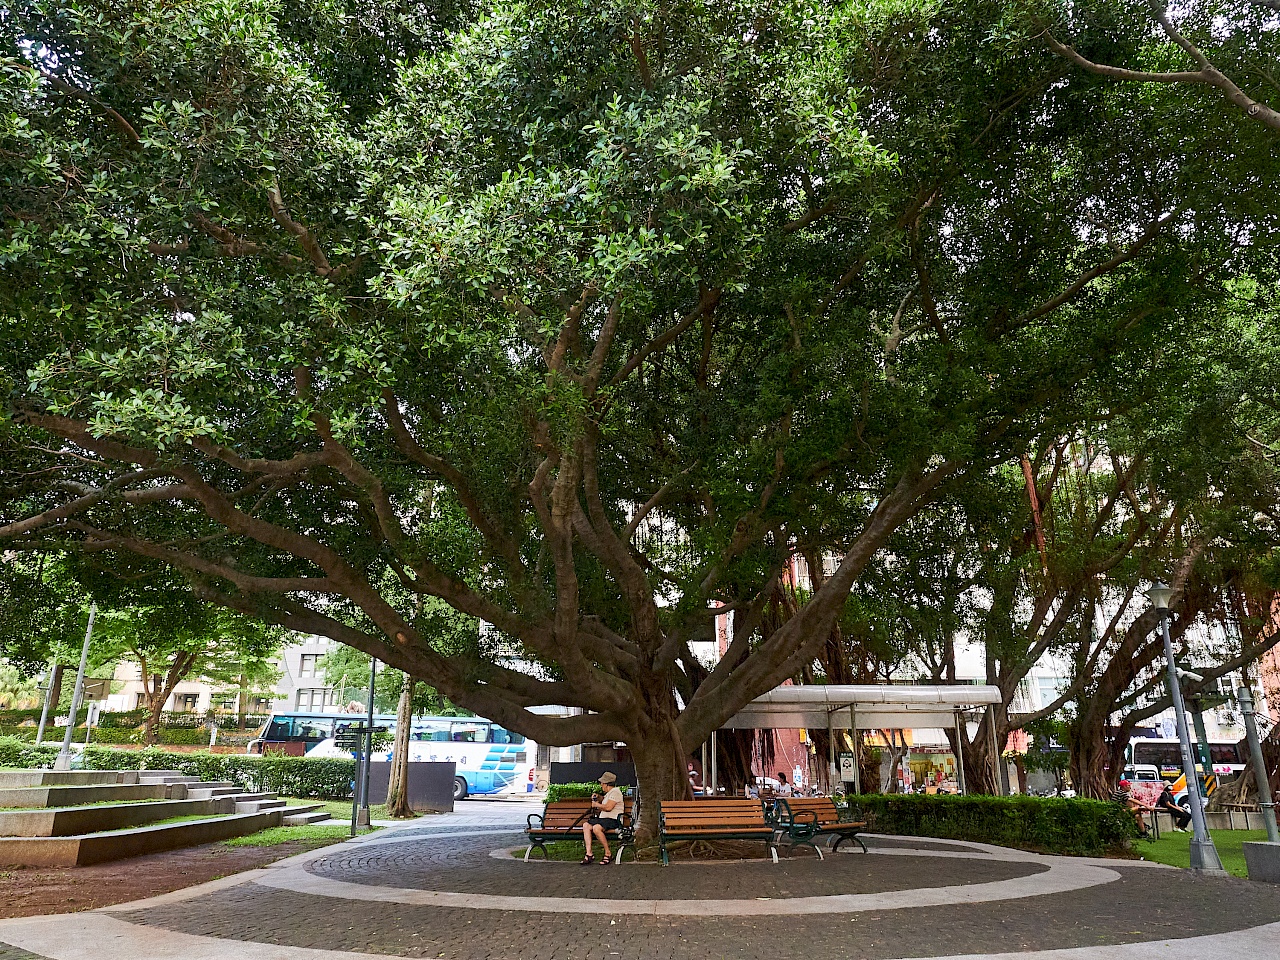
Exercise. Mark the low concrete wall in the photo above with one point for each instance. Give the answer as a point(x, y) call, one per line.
point(118, 845)
point(71, 796)
point(1263, 861)
point(47, 778)
point(73, 821)
point(1222, 820)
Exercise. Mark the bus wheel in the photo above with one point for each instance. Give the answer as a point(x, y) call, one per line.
point(459, 788)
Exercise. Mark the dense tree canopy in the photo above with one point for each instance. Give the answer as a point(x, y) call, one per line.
point(580, 317)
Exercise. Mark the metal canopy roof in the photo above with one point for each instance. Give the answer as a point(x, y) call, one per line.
point(861, 707)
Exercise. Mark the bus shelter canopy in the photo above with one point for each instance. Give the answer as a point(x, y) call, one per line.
point(861, 707)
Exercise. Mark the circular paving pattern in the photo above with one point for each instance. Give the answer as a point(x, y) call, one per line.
point(459, 872)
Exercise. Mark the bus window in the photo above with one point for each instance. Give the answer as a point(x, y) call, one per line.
point(469, 732)
point(424, 732)
point(1224, 753)
point(280, 728)
point(503, 735)
point(312, 729)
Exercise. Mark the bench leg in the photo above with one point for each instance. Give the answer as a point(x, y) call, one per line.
point(773, 850)
point(818, 850)
point(526, 852)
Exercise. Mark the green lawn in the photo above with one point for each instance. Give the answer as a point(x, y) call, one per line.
point(338, 809)
point(1175, 848)
point(327, 832)
point(563, 850)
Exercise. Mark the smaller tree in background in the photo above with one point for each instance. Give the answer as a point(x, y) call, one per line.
point(395, 689)
point(172, 642)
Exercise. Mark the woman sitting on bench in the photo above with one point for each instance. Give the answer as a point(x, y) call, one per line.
point(604, 817)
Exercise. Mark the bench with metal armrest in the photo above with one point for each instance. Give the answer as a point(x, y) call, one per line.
point(804, 820)
point(563, 820)
point(716, 819)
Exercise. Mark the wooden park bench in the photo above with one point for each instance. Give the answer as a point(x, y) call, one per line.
point(714, 819)
point(803, 820)
point(563, 819)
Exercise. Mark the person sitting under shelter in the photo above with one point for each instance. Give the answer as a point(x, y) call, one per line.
point(605, 812)
point(1122, 794)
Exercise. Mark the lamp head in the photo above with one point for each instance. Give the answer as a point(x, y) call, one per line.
point(1159, 595)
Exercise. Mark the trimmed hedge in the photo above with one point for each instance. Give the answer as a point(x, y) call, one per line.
point(575, 791)
point(326, 779)
point(1076, 827)
point(20, 753)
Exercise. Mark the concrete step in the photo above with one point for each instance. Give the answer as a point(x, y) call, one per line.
point(206, 791)
point(247, 795)
point(77, 821)
point(258, 806)
point(305, 819)
point(170, 779)
point(135, 841)
point(14, 779)
point(302, 808)
point(70, 796)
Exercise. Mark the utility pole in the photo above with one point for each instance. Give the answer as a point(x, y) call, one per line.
point(64, 755)
point(1204, 855)
point(48, 693)
point(368, 746)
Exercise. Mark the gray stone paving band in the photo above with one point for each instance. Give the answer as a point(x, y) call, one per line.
point(1059, 878)
point(95, 936)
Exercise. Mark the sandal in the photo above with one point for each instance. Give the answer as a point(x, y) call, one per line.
point(587, 859)
point(606, 861)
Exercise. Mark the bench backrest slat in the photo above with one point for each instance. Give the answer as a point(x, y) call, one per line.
point(713, 814)
point(824, 808)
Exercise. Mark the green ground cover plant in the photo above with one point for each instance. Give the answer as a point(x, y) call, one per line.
point(1076, 827)
point(273, 836)
point(573, 791)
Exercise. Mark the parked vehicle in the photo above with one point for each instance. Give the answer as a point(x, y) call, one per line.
point(490, 759)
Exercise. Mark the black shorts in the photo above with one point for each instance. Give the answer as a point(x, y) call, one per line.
point(609, 823)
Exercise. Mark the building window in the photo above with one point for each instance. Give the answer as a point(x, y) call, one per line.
point(185, 702)
point(309, 666)
point(261, 704)
point(311, 698)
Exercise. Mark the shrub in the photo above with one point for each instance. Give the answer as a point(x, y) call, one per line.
point(1052, 825)
point(21, 753)
point(574, 791)
point(327, 779)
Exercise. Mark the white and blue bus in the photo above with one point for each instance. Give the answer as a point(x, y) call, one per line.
point(490, 760)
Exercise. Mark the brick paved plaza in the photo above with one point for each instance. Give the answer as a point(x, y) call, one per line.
point(447, 887)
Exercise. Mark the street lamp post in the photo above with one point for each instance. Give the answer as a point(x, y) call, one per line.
point(1204, 855)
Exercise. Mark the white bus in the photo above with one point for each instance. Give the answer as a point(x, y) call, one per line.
point(490, 760)
point(1224, 755)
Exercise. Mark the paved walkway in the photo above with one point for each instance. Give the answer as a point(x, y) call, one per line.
point(447, 887)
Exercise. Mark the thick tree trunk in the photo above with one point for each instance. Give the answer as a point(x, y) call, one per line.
point(151, 725)
point(242, 701)
point(661, 773)
point(398, 782)
point(55, 698)
point(979, 773)
point(1094, 772)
